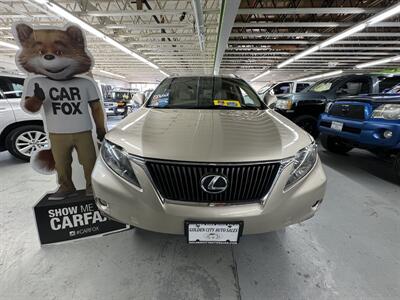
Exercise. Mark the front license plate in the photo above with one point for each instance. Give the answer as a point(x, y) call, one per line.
point(337, 126)
point(120, 110)
point(213, 233)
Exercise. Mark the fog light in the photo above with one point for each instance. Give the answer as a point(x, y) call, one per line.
point(103, 204)
point(387, 134)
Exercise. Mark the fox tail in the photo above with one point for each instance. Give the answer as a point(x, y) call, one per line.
point(42, 161)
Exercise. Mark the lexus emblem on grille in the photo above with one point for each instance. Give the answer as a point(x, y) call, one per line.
point(214, 184)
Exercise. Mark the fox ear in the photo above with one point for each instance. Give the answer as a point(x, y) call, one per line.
point(76, 34)
point(23, 32)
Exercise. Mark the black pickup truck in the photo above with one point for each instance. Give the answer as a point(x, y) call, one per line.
point(304, 108)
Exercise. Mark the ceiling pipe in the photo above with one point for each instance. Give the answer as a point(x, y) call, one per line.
point(227, 19)
point(199, 17)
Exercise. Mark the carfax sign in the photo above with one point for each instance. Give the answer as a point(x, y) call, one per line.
point(71, 219)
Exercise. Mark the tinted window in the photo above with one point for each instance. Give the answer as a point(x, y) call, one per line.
point(354, 87)
point(204, 92)
point(301, 86)
point(282, 88)
point(387, 83)
point(12, 87)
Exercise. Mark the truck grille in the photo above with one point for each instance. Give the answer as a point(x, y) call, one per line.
point(351, 111)
point(246, 183)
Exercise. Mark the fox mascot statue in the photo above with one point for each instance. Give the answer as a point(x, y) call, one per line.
point(55, 57)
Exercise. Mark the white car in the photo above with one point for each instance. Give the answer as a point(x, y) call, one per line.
point(20, 133)
point(269, 92)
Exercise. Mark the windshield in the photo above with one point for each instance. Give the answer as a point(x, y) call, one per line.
point(204, 93)
point(118, 96)
point(322, 86)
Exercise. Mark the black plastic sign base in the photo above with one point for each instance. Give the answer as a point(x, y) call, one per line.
point(72, 218)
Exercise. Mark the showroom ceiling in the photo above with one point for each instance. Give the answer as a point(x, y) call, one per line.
point(163, 32)
point(267, 33)
point(181, 37)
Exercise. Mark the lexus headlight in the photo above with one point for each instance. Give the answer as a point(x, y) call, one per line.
point(117, 159)
point(387, 112)
point(284, 104)
point(303, 162)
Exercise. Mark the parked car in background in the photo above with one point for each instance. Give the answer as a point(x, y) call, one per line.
point(205, 157)
point(20, 133)
point(270, 92)
point(119, 101)
point(368, 122)
point(305, 107)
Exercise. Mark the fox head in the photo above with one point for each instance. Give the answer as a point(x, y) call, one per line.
point(54, 53)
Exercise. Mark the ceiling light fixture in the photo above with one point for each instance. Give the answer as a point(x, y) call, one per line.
point(9, 45)
point(378, 62)
point(391, 11)
point(162, 72)
point(112, 74)
point(286, 62)
point(261, 75)
point(329, 74)
point(71, 18)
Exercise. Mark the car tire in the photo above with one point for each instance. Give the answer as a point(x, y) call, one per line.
point(309, 124)
point(397, 166)
point(334, 144)
point(22, 141)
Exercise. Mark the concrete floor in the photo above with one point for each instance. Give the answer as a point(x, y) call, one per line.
point(350, 250)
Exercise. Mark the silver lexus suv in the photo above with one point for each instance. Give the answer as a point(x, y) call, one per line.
point(206, 158)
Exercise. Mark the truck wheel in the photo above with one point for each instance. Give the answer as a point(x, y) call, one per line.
point(397, 166)
point(309, 124)
point(334, 144)
point(24, 140)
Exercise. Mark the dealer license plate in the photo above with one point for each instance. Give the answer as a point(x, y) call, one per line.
point(337, 126)
point(213, 233)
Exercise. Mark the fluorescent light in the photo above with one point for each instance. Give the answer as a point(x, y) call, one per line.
point(343, 35)
point(9, 45)
point(162, 72)
point(261, 75)
point(384, 15)
point(378, 62)
point(306, 52)
point(112, 74)
point(70, 17)
point(329, 74)
point(286, 62)
point(393, 10)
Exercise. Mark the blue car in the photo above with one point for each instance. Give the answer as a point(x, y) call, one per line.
point(370, 122)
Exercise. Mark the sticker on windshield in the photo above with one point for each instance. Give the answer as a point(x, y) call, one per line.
point(228, 103)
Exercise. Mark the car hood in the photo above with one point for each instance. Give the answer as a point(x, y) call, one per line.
point(303, 96)
point(373, 99)
point(209, 135)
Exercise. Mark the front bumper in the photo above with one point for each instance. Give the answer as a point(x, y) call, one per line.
point(144, 209)
point(365, 133)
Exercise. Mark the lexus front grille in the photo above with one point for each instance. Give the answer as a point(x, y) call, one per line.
point(181, 181)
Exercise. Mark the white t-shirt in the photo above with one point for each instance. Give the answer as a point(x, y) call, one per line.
point(66, 104)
